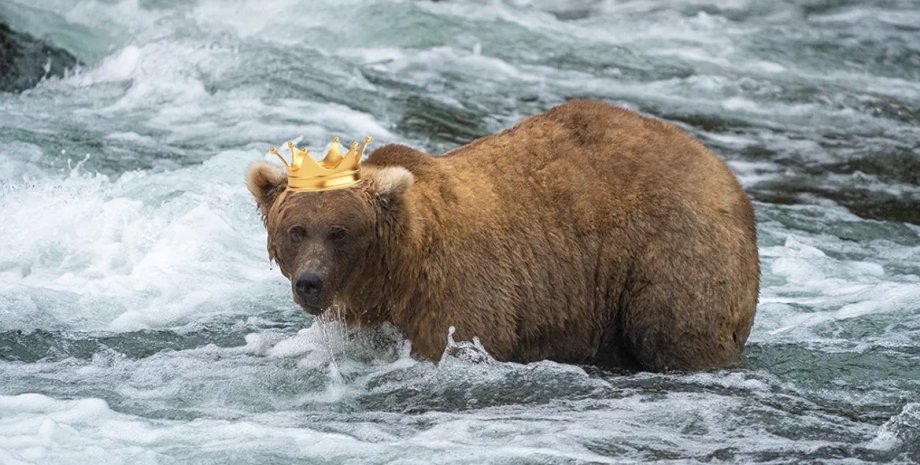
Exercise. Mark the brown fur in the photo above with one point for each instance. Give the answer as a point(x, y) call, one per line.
point(587, 234)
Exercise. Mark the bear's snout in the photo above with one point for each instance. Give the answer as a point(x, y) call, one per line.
point(308, 286)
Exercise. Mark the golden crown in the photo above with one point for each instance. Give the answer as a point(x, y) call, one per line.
point(334, 171)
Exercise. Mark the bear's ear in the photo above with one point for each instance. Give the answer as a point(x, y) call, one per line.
point(265, 181)
point(388, 183)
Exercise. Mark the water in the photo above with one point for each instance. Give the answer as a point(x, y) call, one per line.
point(141, 322)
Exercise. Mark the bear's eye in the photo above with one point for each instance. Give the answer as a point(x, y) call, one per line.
point(296, 233)
point(337, 234)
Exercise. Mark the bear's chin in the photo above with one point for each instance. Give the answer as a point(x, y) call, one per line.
point(309, 309)
point(315, 311)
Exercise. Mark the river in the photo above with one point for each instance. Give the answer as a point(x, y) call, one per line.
point(141, 321)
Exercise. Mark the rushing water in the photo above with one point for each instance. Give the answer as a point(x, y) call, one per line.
point(141, 322)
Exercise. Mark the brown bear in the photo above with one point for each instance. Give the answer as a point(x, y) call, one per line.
point(588, 234)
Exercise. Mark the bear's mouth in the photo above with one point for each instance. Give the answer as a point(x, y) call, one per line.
point(315, 311)
point(311, 309)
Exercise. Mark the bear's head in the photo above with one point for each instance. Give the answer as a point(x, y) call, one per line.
point(330, 244)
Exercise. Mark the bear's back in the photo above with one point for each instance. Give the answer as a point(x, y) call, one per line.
point(603, 163)
point(613, 238)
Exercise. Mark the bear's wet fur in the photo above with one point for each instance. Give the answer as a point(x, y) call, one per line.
point(588, 234)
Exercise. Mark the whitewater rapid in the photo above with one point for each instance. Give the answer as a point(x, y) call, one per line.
point(142, 322)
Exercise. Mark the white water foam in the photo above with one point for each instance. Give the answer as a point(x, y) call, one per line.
point(808, 288)
point(141, 250)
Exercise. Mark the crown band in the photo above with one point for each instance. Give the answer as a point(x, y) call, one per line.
point(323, 183)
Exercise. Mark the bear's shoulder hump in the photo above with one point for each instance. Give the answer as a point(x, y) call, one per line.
point(400, 155)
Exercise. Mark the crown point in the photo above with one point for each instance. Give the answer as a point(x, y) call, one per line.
point(367, 141)
point(334, 154)
point(274, 151)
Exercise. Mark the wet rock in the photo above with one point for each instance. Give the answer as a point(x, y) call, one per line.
point(25, 60)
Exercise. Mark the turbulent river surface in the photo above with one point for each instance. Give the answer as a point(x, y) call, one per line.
point(141, 321)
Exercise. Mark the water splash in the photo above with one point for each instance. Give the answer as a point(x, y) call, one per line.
point(335, 343)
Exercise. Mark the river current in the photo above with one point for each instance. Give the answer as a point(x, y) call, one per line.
point(141, 321)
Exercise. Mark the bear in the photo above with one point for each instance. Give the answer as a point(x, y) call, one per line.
point(589, 234)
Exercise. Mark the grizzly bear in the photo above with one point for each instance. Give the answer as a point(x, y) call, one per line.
point(588, 234)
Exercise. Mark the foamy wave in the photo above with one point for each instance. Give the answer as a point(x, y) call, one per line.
point(144, 249)
point(901, 433)
point(810, 294)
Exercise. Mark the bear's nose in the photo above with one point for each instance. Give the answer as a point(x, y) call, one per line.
point(308, 286)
